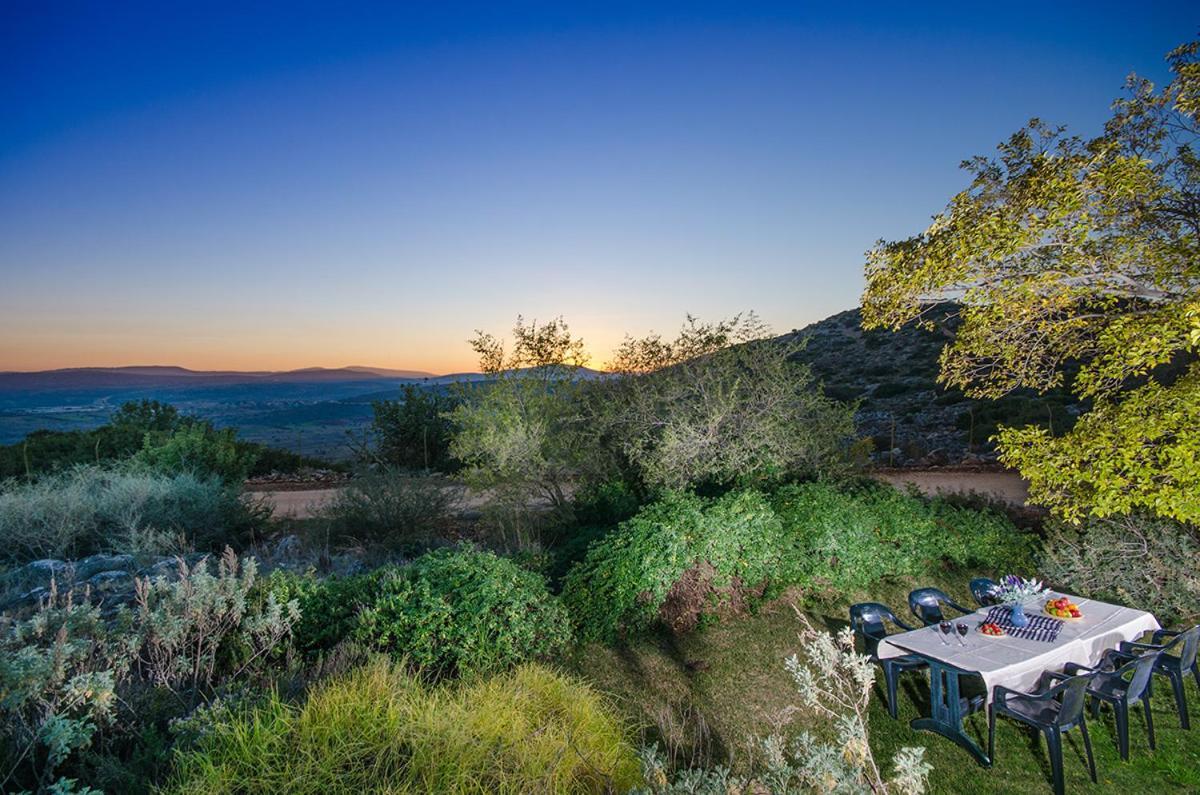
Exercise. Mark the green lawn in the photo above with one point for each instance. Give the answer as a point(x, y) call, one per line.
point(714, 690)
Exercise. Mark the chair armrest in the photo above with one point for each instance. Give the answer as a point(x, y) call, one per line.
point(1159, 634)
point(903, 626)
point(1001, 694)
point(1129, 646)
point(1072, 669)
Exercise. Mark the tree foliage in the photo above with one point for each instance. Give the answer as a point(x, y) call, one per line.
point(720, 403)
point(414, 432)
point(513, 435)
point(1064, 250)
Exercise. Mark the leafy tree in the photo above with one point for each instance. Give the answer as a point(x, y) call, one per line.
point(513, 434)
point(198, 447)
point(414, 432)
point(1061, 251)
point(127, 429)
point(47, 451)
point(721, 403)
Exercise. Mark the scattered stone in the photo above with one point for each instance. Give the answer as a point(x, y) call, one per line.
point(94, 564)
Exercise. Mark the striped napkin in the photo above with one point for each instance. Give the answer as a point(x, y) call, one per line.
point(1043, 628)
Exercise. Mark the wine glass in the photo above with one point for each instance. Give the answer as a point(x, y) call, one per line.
point(962, 632)
point(945, 627)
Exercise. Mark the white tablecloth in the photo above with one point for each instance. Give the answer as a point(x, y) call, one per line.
point(1018, 663)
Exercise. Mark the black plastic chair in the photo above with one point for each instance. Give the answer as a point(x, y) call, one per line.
point(926, 604)
point(869, 622)
point(1121, 680)
point(1177, 658)
point(1053, 712)
point(984, 591)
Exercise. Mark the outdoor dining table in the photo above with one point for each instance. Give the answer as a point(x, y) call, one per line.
point(1007, 660)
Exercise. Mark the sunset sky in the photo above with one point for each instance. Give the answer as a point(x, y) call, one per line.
point(272, 187)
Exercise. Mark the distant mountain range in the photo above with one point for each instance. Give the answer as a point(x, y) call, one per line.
point(169, 376)
point(892, 377)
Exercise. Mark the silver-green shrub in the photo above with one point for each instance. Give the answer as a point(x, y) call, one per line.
point(1143, 562)
point(92, 509)
point(67, 673)
point(834, 685)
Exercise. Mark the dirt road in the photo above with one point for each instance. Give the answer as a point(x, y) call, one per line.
point(298, 504)
point(1007, 486)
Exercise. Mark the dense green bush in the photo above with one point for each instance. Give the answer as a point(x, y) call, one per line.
point(685, 558)
point(329, 607)
point(198, 447)
point(95, 509)
point(380, 729)
point(678, 560)
point(464, 612)
point(842, 540)
point(608, 502)
point(398, 512)
point(1144, 562)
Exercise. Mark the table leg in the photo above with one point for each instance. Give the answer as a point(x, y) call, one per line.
point(946, 711)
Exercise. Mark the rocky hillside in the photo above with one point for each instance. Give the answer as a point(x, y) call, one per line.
point(912, 420)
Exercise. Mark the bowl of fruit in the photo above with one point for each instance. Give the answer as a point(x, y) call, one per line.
point(991, 629)
point(1063, 608)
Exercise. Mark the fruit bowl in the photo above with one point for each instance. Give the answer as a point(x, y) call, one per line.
point(991, 630)
point(1063, 609)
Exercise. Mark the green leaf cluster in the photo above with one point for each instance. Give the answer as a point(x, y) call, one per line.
point(832, 541)
point(464, 613)
point(1068, 254)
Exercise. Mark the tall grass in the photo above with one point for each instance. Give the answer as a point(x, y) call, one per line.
point(381, 729)
point(92, 509)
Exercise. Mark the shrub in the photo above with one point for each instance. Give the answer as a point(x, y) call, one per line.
point(58, 676)
point(843, 540)
point(464, 612)
point(95, 509)
point(68, 674)
point(198, 447)
point(834, 684)
point(678, 560)
point(190, 626)
point(382, 729)
point(398, 512)
point(606, 503)
point(1146, 562)
point(329, 608)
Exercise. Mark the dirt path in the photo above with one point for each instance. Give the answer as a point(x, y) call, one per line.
point(297, 504)
point(1007, 486)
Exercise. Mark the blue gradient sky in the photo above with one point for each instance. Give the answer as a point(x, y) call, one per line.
point(295, 185)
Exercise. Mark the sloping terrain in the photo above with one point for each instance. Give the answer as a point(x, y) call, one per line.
point(911, 418)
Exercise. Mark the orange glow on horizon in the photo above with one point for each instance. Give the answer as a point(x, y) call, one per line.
point(103, 350)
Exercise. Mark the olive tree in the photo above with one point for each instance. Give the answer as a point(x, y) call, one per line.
point(1067, 252)
point(721, 403)
point(512, 433)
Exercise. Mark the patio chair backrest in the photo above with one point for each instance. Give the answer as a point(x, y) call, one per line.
point(984, 591)
point(926, 604)
point(1188, 644)
point(1143, 669)
point(869, 622)
point(1073, 693)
